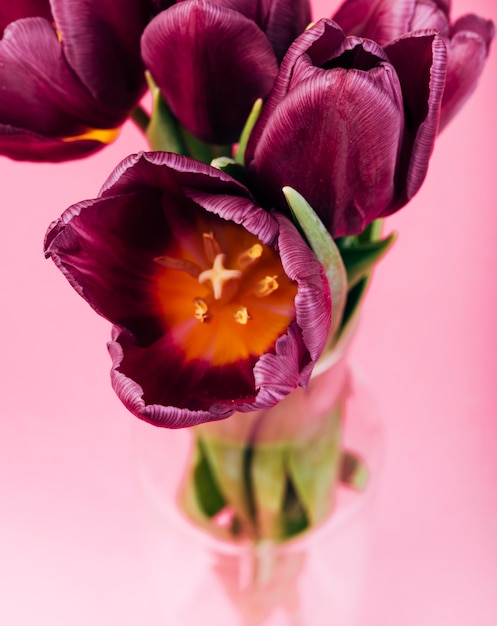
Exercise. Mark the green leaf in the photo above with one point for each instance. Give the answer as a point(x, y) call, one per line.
point(163, 131)
point(314, 467)
point(209, 497)
point(326, 251)
point(231, 167)
point(247, 129)
point(268, 480)
point(228, 462)
point(359, 259)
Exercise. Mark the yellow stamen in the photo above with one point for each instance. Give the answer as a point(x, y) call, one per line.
point(241, 315)
point(201, 310)
point(103, 135)
point(57, 32)
point(266, 286)
point(249, 256)
point(219, 276)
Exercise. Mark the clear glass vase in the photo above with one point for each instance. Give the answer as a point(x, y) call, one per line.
point(205, 575)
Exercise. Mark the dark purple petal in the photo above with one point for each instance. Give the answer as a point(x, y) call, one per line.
point(335, 139)
point(158, 385)
point(211, 64)
point(17, 9)
point(101, 41)
point(432, 15)
point(467, 51)
point(467, 41)
point(286, 20)
point(386, 20)
point(380, 20)
point(106, 249)
point(22, 145)
point(68, 70)
point(324, 40)
point(161, 169)
point(276, 375)
point(39, 91)
point(313, 300)
point(281, 20)
point(420, 60)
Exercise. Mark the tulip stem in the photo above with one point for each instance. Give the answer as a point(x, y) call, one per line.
point(141, 118)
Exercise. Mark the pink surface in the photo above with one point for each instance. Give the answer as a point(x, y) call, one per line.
point(72, 530)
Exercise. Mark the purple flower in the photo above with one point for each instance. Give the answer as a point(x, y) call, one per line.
point(467, 40)
point(349, 125)
point(281, 20)
point(212, 60)
point(70, 73)
point(217, 305)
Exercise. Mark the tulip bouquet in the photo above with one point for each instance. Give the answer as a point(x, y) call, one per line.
point(232, 258)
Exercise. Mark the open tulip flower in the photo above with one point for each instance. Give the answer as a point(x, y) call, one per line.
point(349, 125)
point(467, 40)
point(70, 74)
point(217, 305)
point(213, 59)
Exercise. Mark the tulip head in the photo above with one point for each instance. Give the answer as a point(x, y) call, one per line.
point(349, 125)
point(212, 59)
point(70, 75)
point(467, 40)
point(217, 305)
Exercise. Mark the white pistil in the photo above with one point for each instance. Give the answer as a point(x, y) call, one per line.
point(218, 276)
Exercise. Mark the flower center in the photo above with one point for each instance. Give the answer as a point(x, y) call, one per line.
point(224, 295)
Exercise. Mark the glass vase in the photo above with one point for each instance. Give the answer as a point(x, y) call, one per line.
point(214, 572)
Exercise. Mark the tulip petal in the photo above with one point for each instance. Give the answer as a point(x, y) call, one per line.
point(211, 64)
point(101, 40)
point(380, 20)
point(157, 383)
point(420, 60)
point(12, 11)
point(467, 51)
point(313, 300)
point(17, 143)
point(351, 121)
point(281, 20)
point(39, 91)
point(106, 250)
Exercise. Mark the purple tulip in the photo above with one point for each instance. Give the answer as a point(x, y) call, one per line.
point(467, 40)
point(211, 62)
point(217, 305)
point(281, 20)
point(70, 73)
point(349, 125)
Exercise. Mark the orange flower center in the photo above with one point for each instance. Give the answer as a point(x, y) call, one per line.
point(223, 294)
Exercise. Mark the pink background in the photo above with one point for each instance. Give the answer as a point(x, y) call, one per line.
point(71, 523)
